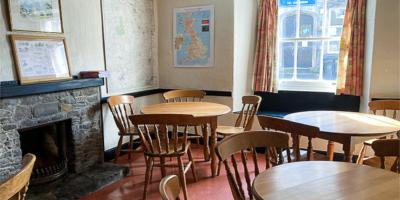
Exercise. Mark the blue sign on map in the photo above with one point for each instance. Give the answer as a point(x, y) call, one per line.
point(294, 2)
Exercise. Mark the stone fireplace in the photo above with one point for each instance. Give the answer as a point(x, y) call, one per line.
point(69, 123)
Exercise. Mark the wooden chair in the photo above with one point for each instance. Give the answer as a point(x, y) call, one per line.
point(121, 107)
point(166, 142)
point(388, 147)
point(376, 107)
point(16, 187)
point(190, 96)
point(294, 129)
point(233, 147)
point(170, 188)
point(244, 122)
point(184, 96)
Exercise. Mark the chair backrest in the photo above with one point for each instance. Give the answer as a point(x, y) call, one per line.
point(121, 107)
point(17, 186)
point(184, 95)
point(248, 112)
point(293, 128)
point(385, 106)
point(233, 147)
point(164, 137)
point(170, 188)
point(388, 147)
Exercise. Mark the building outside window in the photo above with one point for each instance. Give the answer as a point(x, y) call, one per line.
point(308, 45)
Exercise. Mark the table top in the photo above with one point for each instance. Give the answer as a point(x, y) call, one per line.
point(348, 123)
point(326, 180)
point(197, 109)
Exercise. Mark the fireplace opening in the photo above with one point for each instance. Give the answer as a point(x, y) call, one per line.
point(49, 142)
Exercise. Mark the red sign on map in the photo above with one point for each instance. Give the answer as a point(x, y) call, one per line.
point(205, 22)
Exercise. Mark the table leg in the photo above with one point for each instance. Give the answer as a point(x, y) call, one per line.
point(348, 149)
point(206, 148)
point(213, 144)
point(330, 150)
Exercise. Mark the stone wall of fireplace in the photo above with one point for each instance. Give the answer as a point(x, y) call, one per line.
point(82, 106)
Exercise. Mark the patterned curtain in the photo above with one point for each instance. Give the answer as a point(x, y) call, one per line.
point(351, 56)
point(265, 66)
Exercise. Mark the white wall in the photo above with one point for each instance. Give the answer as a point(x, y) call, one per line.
point(245, 17)
point(219, 77)
point(385, 75)
point(83, 33)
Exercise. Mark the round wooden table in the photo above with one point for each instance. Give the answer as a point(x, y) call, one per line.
point(326, 180)
point(208, 111)
point(347, 128)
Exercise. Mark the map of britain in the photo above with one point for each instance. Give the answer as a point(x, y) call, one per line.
point(193, 37)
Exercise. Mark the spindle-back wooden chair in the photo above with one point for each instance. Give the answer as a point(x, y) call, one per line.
point(245, 120)
point(16, 187)
point(184, 96)
point(121, 107)
point(380, 107)
point(170, 188)
point(190, 96)
point(388, 147)
point(294, 129)
point(234, 147)
point(165, 141)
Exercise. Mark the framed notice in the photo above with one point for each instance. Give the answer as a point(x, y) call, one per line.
point(40, 58)
point(193, 41)
point(35, 15)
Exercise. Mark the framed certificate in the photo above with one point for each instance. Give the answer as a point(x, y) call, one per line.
point(35, 15)
point(40, 58)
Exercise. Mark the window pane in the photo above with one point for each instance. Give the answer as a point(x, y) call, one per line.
point(287, 18)
point(308, 60)
point(336, 11)
point(311, 18)
point(330, 60)
point(286, 61)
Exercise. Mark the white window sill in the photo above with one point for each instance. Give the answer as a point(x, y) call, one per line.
point(307, 86)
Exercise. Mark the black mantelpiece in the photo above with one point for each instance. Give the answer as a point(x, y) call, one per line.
point(10, 90)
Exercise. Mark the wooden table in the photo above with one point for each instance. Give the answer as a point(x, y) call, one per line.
point(347, 128)
point(208, 111)
point(326, 180)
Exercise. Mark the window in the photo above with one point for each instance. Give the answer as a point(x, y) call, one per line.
point(308, 45)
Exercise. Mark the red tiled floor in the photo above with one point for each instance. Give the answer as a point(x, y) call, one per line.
point(131, 187)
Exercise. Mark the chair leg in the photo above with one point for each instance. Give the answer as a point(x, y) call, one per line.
point(162, 163)
point(182, 178)
point(196, 132)
point(118, 150)
point(361, 155)
point(147, 177)
point(130, 146)
point(192, 166)
point(219, 168)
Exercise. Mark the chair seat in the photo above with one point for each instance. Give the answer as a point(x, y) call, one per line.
point(229, 130)
point(375, 162)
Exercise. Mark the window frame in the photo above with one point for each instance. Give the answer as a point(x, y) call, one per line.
point(296, 84)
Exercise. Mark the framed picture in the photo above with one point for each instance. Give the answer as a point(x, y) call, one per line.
point(35, 15)
point(193, 36)
point(40, 58)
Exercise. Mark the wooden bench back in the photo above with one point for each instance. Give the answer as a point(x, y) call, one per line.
point(234, 147)
point(293, 128)
point(17, 186)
